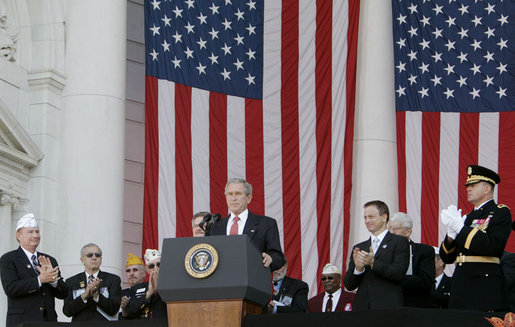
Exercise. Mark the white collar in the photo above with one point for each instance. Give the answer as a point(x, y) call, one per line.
point(95, 275)
point(337, 293)
point(243, 216)
point(380, 236)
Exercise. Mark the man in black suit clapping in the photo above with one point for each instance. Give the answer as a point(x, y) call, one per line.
point(31, 279)
point(378, 265)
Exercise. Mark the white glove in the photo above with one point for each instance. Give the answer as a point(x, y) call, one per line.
point(456, 224)
point(451, 217)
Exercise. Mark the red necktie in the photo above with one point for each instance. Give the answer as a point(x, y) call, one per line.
point(234, 226)
point(329, 304)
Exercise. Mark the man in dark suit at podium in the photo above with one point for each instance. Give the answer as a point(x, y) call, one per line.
point(290, 294)
point(262, 230)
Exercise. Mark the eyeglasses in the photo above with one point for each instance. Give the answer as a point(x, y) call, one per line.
point(131, 270)
point(324, 278)
point(151, 266)
point(90, 255)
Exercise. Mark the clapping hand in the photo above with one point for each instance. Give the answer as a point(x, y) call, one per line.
point(47, 273)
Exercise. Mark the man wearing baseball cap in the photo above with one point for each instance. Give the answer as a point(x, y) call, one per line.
point(476, 243)
point(31, 279)
point(145, 302)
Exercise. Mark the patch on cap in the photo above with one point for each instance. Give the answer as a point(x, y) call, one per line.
point(331, 269)
point(27, 221)
point(151, 255)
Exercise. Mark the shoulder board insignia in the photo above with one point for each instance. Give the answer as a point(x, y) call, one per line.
point(500, 206)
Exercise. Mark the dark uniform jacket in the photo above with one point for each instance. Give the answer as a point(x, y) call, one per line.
point(108, 300)
point(139, 308)
point(443, 293)
point(344, 302)
point(418, 288)
point(263, 233)
point(293, 294)
point(26, 301)
point(477, 285)
point(508, 268)
point(380, 286)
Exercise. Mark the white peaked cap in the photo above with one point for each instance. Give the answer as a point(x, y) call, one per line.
point(331, 269)
point(27, 221)
point(151, 255)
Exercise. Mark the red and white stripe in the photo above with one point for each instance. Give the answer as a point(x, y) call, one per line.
point(434, 150)
point(294, 146)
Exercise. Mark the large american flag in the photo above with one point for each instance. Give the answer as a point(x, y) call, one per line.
point(455, 83)
point(257, 89)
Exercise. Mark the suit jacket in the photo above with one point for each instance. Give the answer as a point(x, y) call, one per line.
point(344, 302)
point(442, 293)
point(508, 268)
point(263, 233)
point(294, 290)
point(380, 286)
point(418, 288)
point(108, 300)
point(26, 301)
point(477, 285)
point(139, 308)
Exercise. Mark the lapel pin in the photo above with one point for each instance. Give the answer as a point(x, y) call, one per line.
point(252, 231)
point(29, 266)
point(384, 246)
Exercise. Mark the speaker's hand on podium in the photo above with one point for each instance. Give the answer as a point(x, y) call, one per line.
point(267, 260)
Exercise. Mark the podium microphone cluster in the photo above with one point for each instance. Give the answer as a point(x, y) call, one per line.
point(208, 221)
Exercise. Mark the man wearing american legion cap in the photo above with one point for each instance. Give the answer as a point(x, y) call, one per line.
point(145, 301)
point(476, 243)
point(31, 279)
point(135, 273)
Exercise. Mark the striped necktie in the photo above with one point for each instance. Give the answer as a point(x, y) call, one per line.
point(35, 264)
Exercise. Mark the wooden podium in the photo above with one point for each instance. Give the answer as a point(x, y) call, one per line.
point(198, 294)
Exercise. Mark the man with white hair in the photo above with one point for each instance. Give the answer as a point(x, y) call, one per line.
point(290, 294)
point(334, 298)
point(418, 284)
point(145, 301)
point(31, 279)
point(378, 265)
point(94, 294)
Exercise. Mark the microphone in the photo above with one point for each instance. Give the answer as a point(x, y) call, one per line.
point(208, 221)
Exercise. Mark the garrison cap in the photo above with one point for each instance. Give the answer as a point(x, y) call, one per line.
point(476, 174)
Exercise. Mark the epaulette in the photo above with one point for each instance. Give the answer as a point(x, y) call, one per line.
point(500, 206)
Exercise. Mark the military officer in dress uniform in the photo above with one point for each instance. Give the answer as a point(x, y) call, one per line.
point(476, 243)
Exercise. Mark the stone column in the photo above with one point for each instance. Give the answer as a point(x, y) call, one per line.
point(92, 133)
point(375, 147)
point(7, 202)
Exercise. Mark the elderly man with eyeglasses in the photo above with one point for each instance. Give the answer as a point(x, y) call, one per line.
point(335, 298)
point(94, 294)
point(145, 301)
